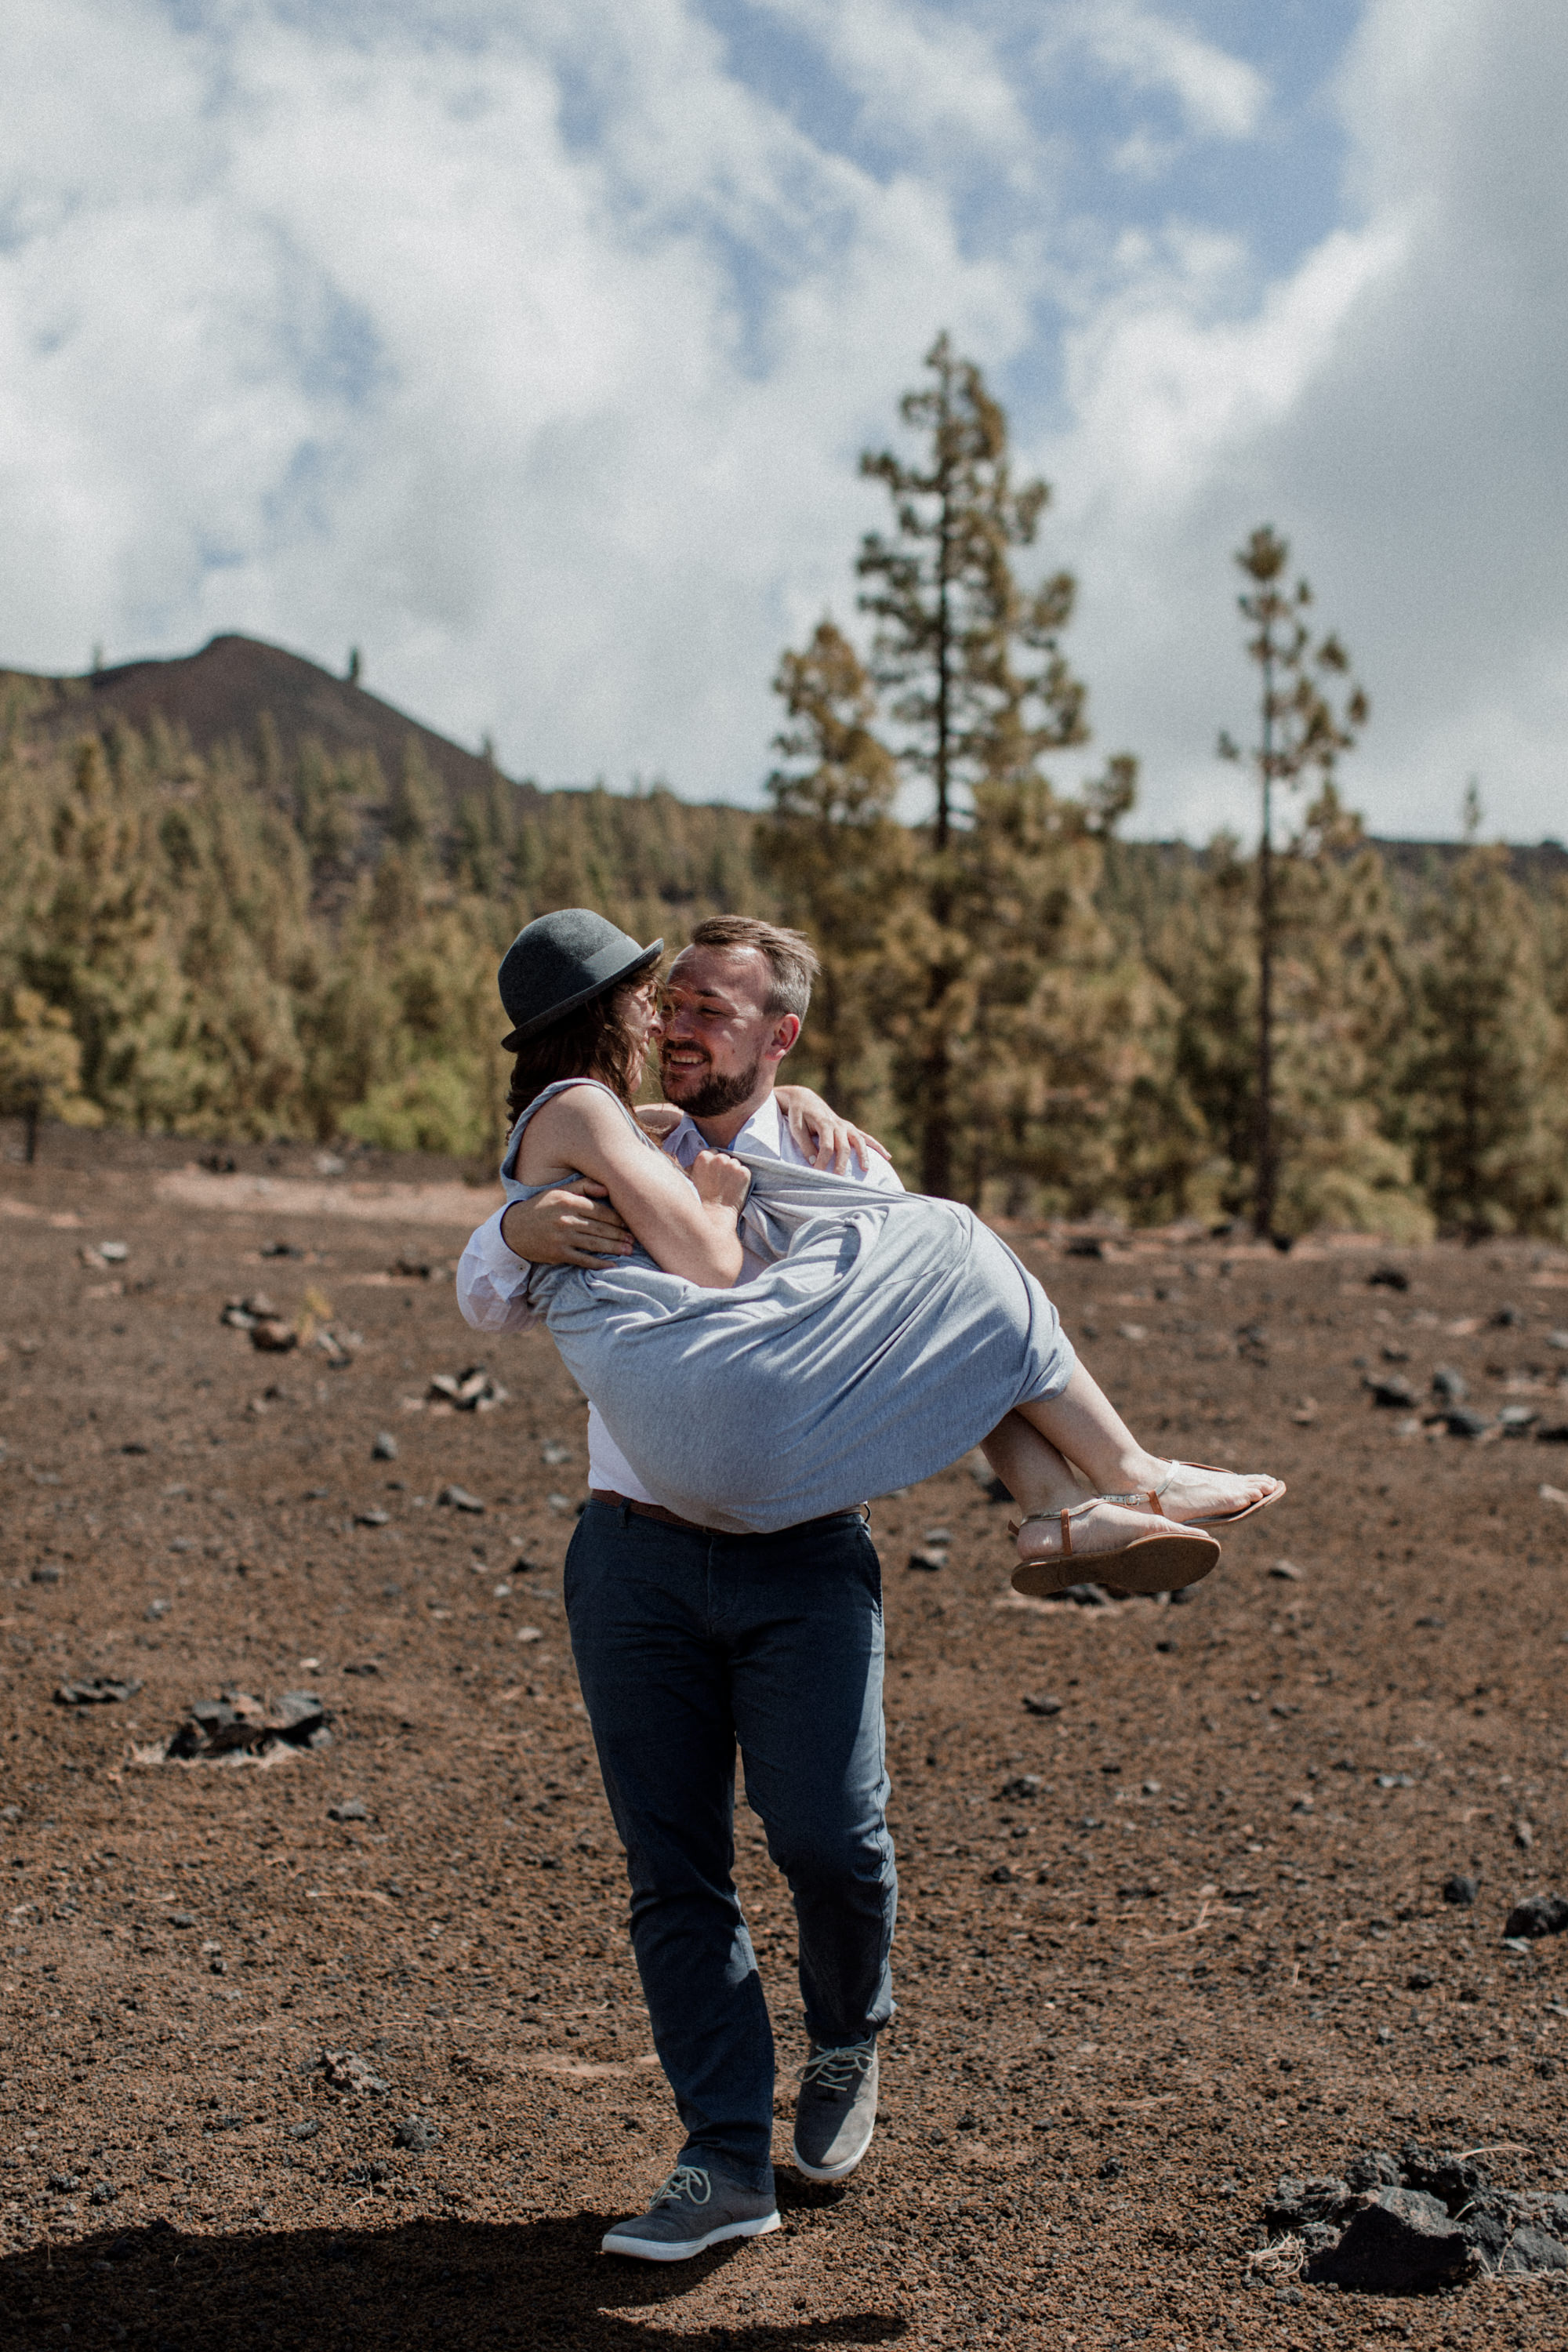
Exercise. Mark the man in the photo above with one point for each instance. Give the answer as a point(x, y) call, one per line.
point(689, 1642)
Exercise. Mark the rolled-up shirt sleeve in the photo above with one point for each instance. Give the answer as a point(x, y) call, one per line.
point(492, 1283)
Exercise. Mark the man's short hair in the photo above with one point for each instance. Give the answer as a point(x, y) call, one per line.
point(789, 955)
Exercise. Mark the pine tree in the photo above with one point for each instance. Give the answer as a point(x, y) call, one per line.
point(40, 1066)
point(1344, 1003)
point(1300, 732)
point(1480, 1106)
point(974, 663)
point(836, 856)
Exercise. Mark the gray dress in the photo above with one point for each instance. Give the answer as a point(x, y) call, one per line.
point(889, 1334)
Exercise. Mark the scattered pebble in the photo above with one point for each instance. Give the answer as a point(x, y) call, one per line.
point(372, 1519)
point(1538, 1915)
point(416, 2133)
point(385, 1448)
point(99, 1690)
point(239, 1724)
point(469, 1391)
point(1041, 1706)
point(1459, 1889)
point(1391, 1391)
point(350, 1809)
point(1388, 1277)
point(1450, 1385)
point(345, 2070)
point(1287, 1570)
point(458, 1498)
point(929, 1557)
point(1463, 1420)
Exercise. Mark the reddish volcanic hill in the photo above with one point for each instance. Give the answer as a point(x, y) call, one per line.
point(218, 696)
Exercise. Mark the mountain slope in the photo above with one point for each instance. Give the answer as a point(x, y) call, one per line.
point(218, 696)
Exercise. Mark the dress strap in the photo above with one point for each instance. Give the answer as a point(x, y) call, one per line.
point(548, 1093)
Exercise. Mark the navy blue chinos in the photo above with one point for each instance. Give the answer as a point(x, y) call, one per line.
point(689, 1646)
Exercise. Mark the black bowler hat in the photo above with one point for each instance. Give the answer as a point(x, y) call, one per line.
point(559, 962)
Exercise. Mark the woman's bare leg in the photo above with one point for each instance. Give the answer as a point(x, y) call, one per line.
point(1037, 1477)
point(1031, 1469)
point(1083, 1425)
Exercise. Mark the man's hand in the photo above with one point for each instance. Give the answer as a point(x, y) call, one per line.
point(826, 1138)
point(573, 1226)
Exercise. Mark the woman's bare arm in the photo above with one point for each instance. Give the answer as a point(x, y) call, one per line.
point(582, 1132)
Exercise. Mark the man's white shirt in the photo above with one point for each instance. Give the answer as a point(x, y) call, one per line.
point(492, 1284)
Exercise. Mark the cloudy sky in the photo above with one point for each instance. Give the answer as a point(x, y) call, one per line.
point(530, 344)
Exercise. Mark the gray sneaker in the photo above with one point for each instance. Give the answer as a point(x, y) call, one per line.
point(835, 2113)
point(692, 2210)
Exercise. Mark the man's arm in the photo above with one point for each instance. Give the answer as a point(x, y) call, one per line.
point(570, 1225)
point(687, 1226)
point(492, 1283)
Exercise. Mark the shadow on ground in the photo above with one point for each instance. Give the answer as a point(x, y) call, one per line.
point(437, 2286)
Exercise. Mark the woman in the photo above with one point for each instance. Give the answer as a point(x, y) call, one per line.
point(889, 1335)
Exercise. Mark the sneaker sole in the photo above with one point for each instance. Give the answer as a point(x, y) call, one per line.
point(832, 2171)
point(655, 2250)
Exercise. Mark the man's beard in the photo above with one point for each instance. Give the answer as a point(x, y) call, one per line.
point(715, 1095)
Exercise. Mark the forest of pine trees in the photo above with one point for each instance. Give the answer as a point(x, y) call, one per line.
point(1037, 1015)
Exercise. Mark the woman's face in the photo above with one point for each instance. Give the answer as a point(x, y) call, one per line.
point(642, 1013)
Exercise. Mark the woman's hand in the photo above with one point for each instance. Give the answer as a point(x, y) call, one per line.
point(827, 1139)
point(722, 1182)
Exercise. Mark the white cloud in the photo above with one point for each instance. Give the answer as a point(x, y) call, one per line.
point(1220, 96)
point(533, 350)
point(1393, 407)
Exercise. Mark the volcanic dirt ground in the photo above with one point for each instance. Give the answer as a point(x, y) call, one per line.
point(1171, 1877)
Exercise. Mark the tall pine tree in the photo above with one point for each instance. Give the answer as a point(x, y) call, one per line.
point(981, 691)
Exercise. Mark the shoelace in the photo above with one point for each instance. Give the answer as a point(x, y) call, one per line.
point(837, 2070)
point(687, 2181)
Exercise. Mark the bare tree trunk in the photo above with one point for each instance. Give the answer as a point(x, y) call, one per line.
point(1264, 1181)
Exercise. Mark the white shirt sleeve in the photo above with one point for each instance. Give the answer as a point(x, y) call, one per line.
point(492, 1283)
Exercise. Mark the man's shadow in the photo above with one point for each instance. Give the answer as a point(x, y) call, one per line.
point(409, 2287)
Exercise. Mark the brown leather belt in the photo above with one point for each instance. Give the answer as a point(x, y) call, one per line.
point(694, 1526)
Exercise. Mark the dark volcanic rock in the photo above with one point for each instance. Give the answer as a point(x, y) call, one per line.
point(1375, 2169)
point(1457, 1888)
point(103, 1690)
point(1538, 1915)
point(216, 1727)
point(1466, 1421)
point(1298, 2204)
point(1391, 1391)
point(1531, 2250)
point(417, 2132)
point(1450, 1385)
point(1388, 1277)
point(1456, 2180)
point(1403, 2242)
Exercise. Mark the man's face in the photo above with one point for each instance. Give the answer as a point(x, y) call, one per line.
point(717, 1037)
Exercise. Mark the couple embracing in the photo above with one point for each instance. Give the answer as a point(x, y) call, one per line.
point(769, 1331)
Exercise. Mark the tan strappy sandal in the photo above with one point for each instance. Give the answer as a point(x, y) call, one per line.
point(1212, 1518)
point(1152, 1563)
